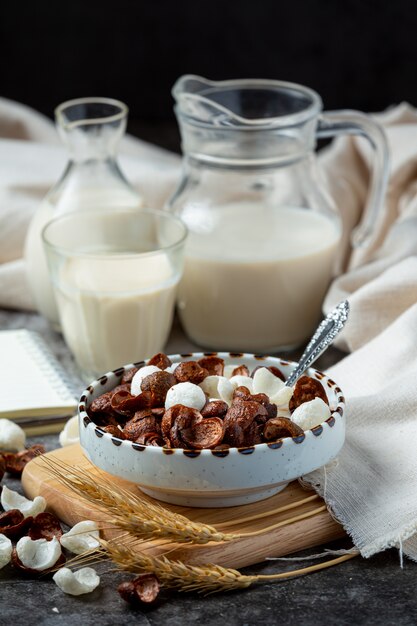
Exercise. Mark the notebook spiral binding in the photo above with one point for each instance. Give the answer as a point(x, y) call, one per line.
point(48, 364)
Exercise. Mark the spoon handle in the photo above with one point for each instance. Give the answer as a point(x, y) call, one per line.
point(326, 332)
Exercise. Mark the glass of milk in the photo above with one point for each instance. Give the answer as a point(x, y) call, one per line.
point(265, 238)
point(115, 274)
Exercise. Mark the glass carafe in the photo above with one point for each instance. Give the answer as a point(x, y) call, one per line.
point(91, 129)
point(263, 232)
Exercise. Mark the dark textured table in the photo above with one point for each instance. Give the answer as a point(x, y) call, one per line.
point(374, 591)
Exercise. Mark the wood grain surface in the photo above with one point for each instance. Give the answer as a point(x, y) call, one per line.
point(312, 531)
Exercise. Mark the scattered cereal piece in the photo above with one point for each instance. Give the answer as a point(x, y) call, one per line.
point(85, 580)
point(311, 413)
point(13, 524)
point(136, 388)
point(6, 548)
point(12, 437)
point(143, 589)
point(13, 500)
point(83, 536)
point(37, 554)
point(187, 394)
point(70, 434)
point(17, 461)
point(45, 526)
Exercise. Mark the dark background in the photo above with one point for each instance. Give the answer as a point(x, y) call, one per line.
point(356, 53)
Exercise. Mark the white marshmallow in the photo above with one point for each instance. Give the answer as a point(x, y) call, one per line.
point(311, 413)
point(135, 388)
point(70, 434)
point(265, 381)
point(38, 554)
point(6, 548)
point(187, 394)
point(12, 437)
point(13, 500)
point(85, 580)
point(83, 536)
point(282, 397)
point(242, 381)
point(171, 369)
point(228, 370)
point(218, 387)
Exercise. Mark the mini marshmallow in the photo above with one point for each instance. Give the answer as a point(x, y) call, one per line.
point(6, 548)
point(70, 434)
point(242, 381)
point(218, 387)
point(38, 554)
point(13, 500)
point(265, 381)
point(12, 437)
point(228, 370)
point(171, 369)
point(83, 536)
point(282, 397)
point(85, 580)
point(311, 413)
point(187, 394)
point(136, 385)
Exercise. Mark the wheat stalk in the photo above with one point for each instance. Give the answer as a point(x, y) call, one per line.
point(206, 578)
point(145, 520)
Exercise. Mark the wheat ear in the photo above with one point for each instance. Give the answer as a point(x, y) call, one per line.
point(202, 578)
point(143, 519)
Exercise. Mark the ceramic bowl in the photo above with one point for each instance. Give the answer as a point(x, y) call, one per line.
point(211, 478)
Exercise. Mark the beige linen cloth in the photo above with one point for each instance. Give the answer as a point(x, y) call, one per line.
point(372, 487)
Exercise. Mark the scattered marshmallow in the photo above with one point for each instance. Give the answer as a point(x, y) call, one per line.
point(242, 381)
point(136, 385)
point(12, 437)
point(187, 394)
point(218, 387)
point(282, 397)
point(6, 548)
point(83, 536)
point(70, 434)
point(13, 500)
point(264, 381)
point(311, 413)
point(85, 580)
point(38, 554)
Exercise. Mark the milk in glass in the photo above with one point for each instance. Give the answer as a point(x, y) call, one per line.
point(117, 309)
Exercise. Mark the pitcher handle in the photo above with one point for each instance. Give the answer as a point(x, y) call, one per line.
point(354, 123)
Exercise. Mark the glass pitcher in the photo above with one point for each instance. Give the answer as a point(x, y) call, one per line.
point(91, 129)
point(263, 232)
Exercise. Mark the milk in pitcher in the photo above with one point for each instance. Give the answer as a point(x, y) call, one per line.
point(259, 282)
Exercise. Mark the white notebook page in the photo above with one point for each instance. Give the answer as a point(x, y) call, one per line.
point(32, 383)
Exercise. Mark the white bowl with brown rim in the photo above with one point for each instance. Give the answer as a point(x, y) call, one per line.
point(214, 478)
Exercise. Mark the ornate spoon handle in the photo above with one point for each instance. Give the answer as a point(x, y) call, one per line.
point(325, 334)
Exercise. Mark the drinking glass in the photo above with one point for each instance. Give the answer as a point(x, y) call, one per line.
point(114, 274)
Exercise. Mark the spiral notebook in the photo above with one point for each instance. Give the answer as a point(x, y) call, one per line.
point(33, 388)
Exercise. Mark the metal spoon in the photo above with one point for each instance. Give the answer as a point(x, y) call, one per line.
point(324, 336)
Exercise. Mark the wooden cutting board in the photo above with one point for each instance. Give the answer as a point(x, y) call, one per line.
point(305, 533)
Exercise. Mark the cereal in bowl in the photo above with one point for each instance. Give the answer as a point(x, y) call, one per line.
point(205, 404)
